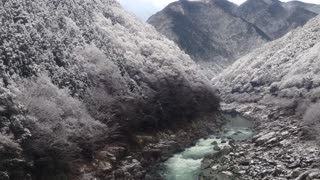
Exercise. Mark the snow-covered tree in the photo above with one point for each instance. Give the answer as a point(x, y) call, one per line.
point(73, 70)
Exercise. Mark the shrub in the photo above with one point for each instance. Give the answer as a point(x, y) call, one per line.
point(59, 124)
point(283, 103)
point(8, 146)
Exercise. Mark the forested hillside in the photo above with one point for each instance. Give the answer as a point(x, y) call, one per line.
point(283, 73)
point(77, 74)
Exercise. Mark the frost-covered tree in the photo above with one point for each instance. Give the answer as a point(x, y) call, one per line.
point(73, 72)
point(286, 68)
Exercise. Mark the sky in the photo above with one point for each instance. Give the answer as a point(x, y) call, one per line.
point(145, 8)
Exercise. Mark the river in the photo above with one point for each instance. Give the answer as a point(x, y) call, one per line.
point(186, 165)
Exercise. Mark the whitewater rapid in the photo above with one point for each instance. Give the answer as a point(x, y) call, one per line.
point(186, 165)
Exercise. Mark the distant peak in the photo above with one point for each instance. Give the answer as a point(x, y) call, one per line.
point(264, 1)
point(217, 1)
point(205, 1)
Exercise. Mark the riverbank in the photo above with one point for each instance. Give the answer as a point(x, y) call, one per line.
point(141, 158)
point(277, 152)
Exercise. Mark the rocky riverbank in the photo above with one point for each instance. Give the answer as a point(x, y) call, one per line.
point(141, 160)
point(276, 152)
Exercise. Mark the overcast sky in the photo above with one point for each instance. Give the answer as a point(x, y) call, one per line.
point(145, 8)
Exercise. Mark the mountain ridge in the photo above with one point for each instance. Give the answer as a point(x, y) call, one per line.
point(274, 17)
point(207, 44)
point(215, 44)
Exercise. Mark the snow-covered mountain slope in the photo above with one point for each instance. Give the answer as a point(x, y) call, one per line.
point(217, 32)
point(209, 31)
point(285, 72)
point(75, 73)
point(311, 7)
point(276, 18)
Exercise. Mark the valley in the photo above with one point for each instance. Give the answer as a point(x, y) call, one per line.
point(207, 90)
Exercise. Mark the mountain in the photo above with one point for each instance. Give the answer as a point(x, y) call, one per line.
point(209, 31)
point(274, 17)
point(77, 76)
point(216, 32)
point(284, 72)
point(311, 7)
